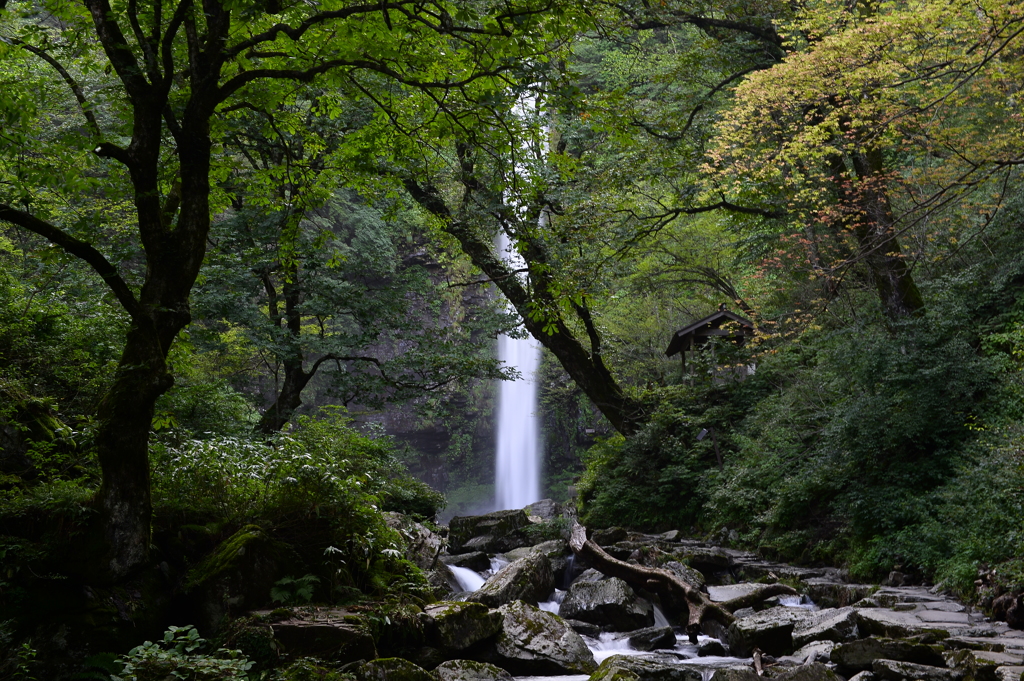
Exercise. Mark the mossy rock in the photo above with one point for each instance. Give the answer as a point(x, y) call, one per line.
point(494, 532)
point(454, 626)
point(238, 575)
point(311, 669)
point(392, 669)
point(468, 670)
point(528, 579)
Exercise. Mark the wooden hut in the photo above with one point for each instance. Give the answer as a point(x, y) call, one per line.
point(720, 324)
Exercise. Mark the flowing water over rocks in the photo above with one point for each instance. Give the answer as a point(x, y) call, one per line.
point(510, 616)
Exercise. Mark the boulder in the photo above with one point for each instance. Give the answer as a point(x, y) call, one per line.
point(864, 676)
point(456, 626)
point(735, 674)
point(829, 594)
point(468, 670)
point(652, 638)
point(535, 642)
point(528, 579)
point(709, 560)
point(237, 575)
point(422, 546)
point(609, 603)
point(590, 575)
point(814, 671)
point(818, 651)
point(860, 654)
point(608, 536)
point(545, 509)
point(838, 625)
point(1015, 673)
point(693, 578)
point(711, 648)
point(584, 628)
point(980, 665)
point(442, 581)
point(492, 533)
point(554, 548)
point(895, 670)
point(637, 668)
point(891, 624)
point(392, 669)
point(770, 630)
point(474, 560)
point(326, 638)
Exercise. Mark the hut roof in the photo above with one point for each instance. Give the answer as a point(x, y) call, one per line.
point(700, 331)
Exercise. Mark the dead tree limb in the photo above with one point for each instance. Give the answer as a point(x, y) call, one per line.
point(673, 590)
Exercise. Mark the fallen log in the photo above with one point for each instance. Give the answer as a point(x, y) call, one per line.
point(673, 591)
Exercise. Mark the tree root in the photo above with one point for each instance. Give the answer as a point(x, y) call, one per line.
point(675, 593)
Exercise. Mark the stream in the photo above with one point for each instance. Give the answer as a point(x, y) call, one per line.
point(617, 643)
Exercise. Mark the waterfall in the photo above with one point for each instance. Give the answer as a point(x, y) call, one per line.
point(518, 449)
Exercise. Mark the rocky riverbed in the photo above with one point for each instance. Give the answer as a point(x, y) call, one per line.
point(513, 604)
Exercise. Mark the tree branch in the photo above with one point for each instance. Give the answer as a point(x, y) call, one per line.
point(79, 249)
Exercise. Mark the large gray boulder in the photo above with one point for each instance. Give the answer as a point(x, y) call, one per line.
point(770, 630)
point(535, 642)
point(455, 626)
point(610, 603)
point(392, 669)
point(818, 651)
point(652, 638)
point(636, 668)
point(528, 579)
point(554, 548)
point(894, 670)
point(829, 594)
point(895, 624)
point(692, 577)
point(492, 533)
point(474, 560)
point(469, 670)
point(422, 545)
point(545, 509)
point(328, 638)
point(860, 654)
point(813, 671)
point(838, 625)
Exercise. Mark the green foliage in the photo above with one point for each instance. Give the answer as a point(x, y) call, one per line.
point(556, 528)
point(310, 669)
point(180, 656)
point(322, 463)
point(294, 590)
point(316, 493)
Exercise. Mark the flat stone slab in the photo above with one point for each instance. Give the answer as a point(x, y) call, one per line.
point(1001, 659)
point(891, 624)
point(838, 625)
point(720, 594)
point(946, 606)
point(891, 670)
point(943, 616)
point(1010, 673)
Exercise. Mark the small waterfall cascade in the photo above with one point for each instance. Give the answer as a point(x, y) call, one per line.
point(518, 449)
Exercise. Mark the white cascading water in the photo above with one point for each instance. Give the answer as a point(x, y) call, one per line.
point(518, 450)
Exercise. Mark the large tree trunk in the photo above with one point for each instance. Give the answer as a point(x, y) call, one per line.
point(287, 401)
point(676, 594)
point(125, 417)
point(876, 232)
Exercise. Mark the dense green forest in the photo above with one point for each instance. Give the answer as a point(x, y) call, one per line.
point(241, 240)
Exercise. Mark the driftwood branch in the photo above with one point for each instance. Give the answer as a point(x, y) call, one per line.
point(673, 590)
